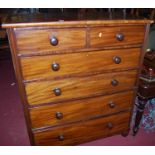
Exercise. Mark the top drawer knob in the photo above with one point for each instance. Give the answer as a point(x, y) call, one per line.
point(120, 37)
point(54, 41)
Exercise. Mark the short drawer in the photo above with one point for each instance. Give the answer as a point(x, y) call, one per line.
point(47, 40)
point(116, 36)
point(84, 131)
point(78, 87)
point(73, 111)
point(65, 64)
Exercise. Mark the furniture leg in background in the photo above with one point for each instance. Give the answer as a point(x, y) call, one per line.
point(146, 88)
point(140, 106)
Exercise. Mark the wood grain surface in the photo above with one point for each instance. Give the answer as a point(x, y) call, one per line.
point(86, 62)
point(106, 36)
point(33, 40)
point(70, 19)
point(71, 88)
point(85, 50)
point(73, 111)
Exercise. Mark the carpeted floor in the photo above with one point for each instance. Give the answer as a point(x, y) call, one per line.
point(13, 128)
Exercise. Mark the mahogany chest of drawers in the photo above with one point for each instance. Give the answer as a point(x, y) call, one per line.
point(77, 78)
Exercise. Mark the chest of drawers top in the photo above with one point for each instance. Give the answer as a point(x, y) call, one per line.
point(70, 19)
point(53, 34)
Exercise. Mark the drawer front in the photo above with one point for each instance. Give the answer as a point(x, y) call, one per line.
point(61, 113)
point(64, 64)
point(84, 131)
point(77, 87)
point(45, 40)
point(116, 36)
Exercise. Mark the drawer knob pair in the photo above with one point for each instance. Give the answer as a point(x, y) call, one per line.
point(54, 41)
point(57, 91)
point(59, 115)
point(120, 37)
point(114, 82)
point(117, 60)
point(55, 66)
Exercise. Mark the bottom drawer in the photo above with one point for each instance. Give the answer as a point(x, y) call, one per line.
point(84, 131)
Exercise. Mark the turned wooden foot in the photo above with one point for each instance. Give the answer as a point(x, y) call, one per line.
point(140, 106)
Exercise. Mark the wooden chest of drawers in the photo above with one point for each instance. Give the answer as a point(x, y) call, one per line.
point(77, 79)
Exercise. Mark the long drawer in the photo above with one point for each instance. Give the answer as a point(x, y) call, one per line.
point(58, 114)
point(84, 131)
point(45, 40)
point(116, 36)
point(77, 87)
point(66, 64)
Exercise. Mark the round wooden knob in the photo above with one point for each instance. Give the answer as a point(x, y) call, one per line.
point(61, 137)
point(117, 60)
point(112, 104)
point(54, 41)
point(114, 82)
point(57, 91)
point(59, 115)
point(110, 125)
point(120, 37)
point(55, 66)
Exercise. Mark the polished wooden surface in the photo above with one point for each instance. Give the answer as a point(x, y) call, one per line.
point(33, 40)
point(42, 91)
point(77, 74)
point(78, 63)
point(69, 19)
point(73, 111)
point(84, 131)
point(106, 36)
point(76, 38)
